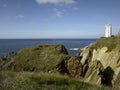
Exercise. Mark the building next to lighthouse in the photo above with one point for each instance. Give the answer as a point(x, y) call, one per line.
point(108, 31)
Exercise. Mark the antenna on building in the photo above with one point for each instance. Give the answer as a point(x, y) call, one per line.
point(108, 31)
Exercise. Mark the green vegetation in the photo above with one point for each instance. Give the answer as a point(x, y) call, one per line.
point(0, 60)
point(37, 58)
point(42, 81)
point(39, 68)
point(110, 43)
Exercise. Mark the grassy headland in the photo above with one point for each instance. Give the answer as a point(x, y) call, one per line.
point(110, 42)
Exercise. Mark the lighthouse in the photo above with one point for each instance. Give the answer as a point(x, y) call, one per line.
point(108, 31)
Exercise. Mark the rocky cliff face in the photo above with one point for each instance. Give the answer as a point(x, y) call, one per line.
point(99, 62)
point(100, 66)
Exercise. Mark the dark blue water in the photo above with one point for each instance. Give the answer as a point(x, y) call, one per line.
point(9, 45)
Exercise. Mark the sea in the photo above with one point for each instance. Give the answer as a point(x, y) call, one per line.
point(14, 45)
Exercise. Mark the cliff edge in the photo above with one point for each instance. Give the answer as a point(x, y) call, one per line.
point(101, 61)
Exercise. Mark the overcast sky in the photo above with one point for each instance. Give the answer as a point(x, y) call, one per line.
point(58, 18)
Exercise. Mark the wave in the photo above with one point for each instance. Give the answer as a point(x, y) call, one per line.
point(75, 49)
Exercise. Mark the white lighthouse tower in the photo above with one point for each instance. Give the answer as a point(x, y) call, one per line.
point(108, 31)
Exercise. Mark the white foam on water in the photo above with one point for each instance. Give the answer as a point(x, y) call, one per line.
point(75, 49)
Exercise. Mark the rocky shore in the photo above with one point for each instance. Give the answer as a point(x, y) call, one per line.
point(97, 64)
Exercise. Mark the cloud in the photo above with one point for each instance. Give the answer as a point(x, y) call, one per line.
point(19, 16)
point(58, 13)
point(55, 1)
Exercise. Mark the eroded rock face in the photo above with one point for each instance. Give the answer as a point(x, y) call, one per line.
point(110, 61)
point(85, 53)
point(107, 58)
point(108, 76)
point(1, 61)
point(71, 66)
point(74, 67)
point(116, 85)
point(94, 73)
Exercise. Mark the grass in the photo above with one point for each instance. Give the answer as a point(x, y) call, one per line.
point(42, 81)
point(110, 43)
point(38, 58)
point(0, 60)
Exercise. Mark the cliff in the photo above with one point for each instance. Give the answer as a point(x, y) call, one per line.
point(101, 61)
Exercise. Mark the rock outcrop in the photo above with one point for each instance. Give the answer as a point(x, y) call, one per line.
point(36, 58)
point(94, 73)
point(74, 67)
point(71, 66)
point(43, 58)
point(116, 85)
point(101, 63)
point(1, 61)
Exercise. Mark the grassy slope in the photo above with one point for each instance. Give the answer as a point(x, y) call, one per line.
point(41, 59)
point(42, 81)
point(38, 58)
point(110, 42)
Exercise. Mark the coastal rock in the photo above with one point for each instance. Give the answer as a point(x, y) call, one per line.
point(70, 66)
point(85, 54)
point(111, 59)
point(7, 60)
point(94, 73)
point(108, 74)
point(74, 67)
point(9, 56)
point(37, 58)
point(106, 51)
point(43, 58)
point(1, 61)
point(116, 85)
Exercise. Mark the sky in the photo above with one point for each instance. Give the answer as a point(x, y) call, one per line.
point(58, 18)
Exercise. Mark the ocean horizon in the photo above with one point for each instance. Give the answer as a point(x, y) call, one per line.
point(14, 45)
